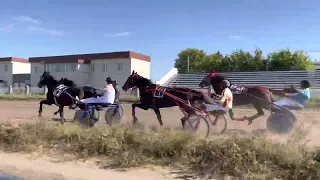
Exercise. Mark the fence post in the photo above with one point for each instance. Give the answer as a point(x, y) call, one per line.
point(27, 90)
point(9, 89)
point(138, 93)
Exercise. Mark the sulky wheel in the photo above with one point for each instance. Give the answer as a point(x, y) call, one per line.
point(198, 125)
point(87, 118)
point(113, 115)
point(281, 123)
point(120, 111)
point(219, 123)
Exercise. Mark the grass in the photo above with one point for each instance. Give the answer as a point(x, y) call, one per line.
point(242, 158)
point(38, 97)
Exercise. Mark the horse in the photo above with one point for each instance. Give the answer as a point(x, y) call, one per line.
point(260, 97)
point(66, 97)
point(84, 91)
point(89, 91)
point(155, 97)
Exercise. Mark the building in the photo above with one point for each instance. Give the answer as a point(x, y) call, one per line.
point(14, 71)
point(91, 69)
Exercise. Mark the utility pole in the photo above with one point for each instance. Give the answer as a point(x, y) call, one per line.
point(188, 64)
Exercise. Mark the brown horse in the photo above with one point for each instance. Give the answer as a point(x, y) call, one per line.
point(156, 97)
point(260, 97)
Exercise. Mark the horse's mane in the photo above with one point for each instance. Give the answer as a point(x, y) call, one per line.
point(67, 82)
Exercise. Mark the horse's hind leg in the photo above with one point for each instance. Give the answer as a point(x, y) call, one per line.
point(260, 113)
point(61, 114)
point(157, 111)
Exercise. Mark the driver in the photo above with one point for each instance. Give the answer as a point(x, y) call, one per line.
point(225, 102)
point(296, 100)
point(108, 94)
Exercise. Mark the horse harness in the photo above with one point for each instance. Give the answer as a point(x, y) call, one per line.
point(236, 89)
point(58, 91)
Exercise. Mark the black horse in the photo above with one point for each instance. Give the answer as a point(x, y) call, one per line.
point(66, 98)
point(156, 97)
point(260, 97)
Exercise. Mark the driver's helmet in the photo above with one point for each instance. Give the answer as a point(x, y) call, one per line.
point(225, 83)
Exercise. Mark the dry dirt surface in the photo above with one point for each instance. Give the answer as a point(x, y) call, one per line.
point(27, 111)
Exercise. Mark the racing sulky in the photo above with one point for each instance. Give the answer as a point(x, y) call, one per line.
point(260, 97)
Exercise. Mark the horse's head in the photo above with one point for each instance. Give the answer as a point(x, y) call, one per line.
point(213, 80)
point(45, 79)
point(206, 81)
point(135, 80)
point(67, 82)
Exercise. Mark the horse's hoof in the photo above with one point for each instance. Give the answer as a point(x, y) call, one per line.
point(55, 113)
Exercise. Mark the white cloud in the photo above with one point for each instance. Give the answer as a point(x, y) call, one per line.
point(7, 28)
point(26, 19)
point(53, 32)
point(235, 37)
point(117, 34)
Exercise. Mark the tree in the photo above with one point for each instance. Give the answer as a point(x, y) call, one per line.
point(285, 59)
point(196, 57)
point(211, 61)
point(245, 61)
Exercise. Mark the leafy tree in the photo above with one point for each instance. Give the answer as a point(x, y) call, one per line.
point(285, 59)
point(244, 60)
point(211, 61)
point(196, 57)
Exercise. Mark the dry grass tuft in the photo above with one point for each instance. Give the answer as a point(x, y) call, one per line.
point(242, 158)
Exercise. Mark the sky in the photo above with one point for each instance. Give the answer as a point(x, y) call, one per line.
point(160, 29)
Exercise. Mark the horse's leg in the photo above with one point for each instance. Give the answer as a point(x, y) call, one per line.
point(141, 106)
point(157, 111)
point(55, 113)
point(41, 104)
point(260, 113)
point(61, 114)
point(231, 114)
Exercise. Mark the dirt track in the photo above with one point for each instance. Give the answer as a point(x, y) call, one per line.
point(27, 111)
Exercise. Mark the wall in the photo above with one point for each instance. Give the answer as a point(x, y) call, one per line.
point(21, 68)
point(79, 73)
point(37, 70)
point(142, 67)
point(104, 68)
point(6, 72)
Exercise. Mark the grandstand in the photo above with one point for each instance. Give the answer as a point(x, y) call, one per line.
point(270, 79)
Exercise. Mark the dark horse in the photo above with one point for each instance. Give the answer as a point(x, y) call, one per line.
point(65, 99)
point(156, 97)
point(260, 97)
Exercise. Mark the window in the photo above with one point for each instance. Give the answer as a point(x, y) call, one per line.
point(104, 67)
point(91, 68)
point(72, 67)
point(6, 68)
point(47, 68)
point(60, 67)
point(36, 70)
point(119, 67)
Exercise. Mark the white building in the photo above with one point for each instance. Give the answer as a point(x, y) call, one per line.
point(14, 70)
point(91, 69)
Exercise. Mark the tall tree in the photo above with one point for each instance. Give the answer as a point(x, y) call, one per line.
point(196, 57)
point(286, 59)
point(211, 61)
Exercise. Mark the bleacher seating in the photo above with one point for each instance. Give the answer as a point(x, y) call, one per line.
point(270, 79)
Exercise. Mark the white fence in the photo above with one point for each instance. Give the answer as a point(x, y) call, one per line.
point(41, 91)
